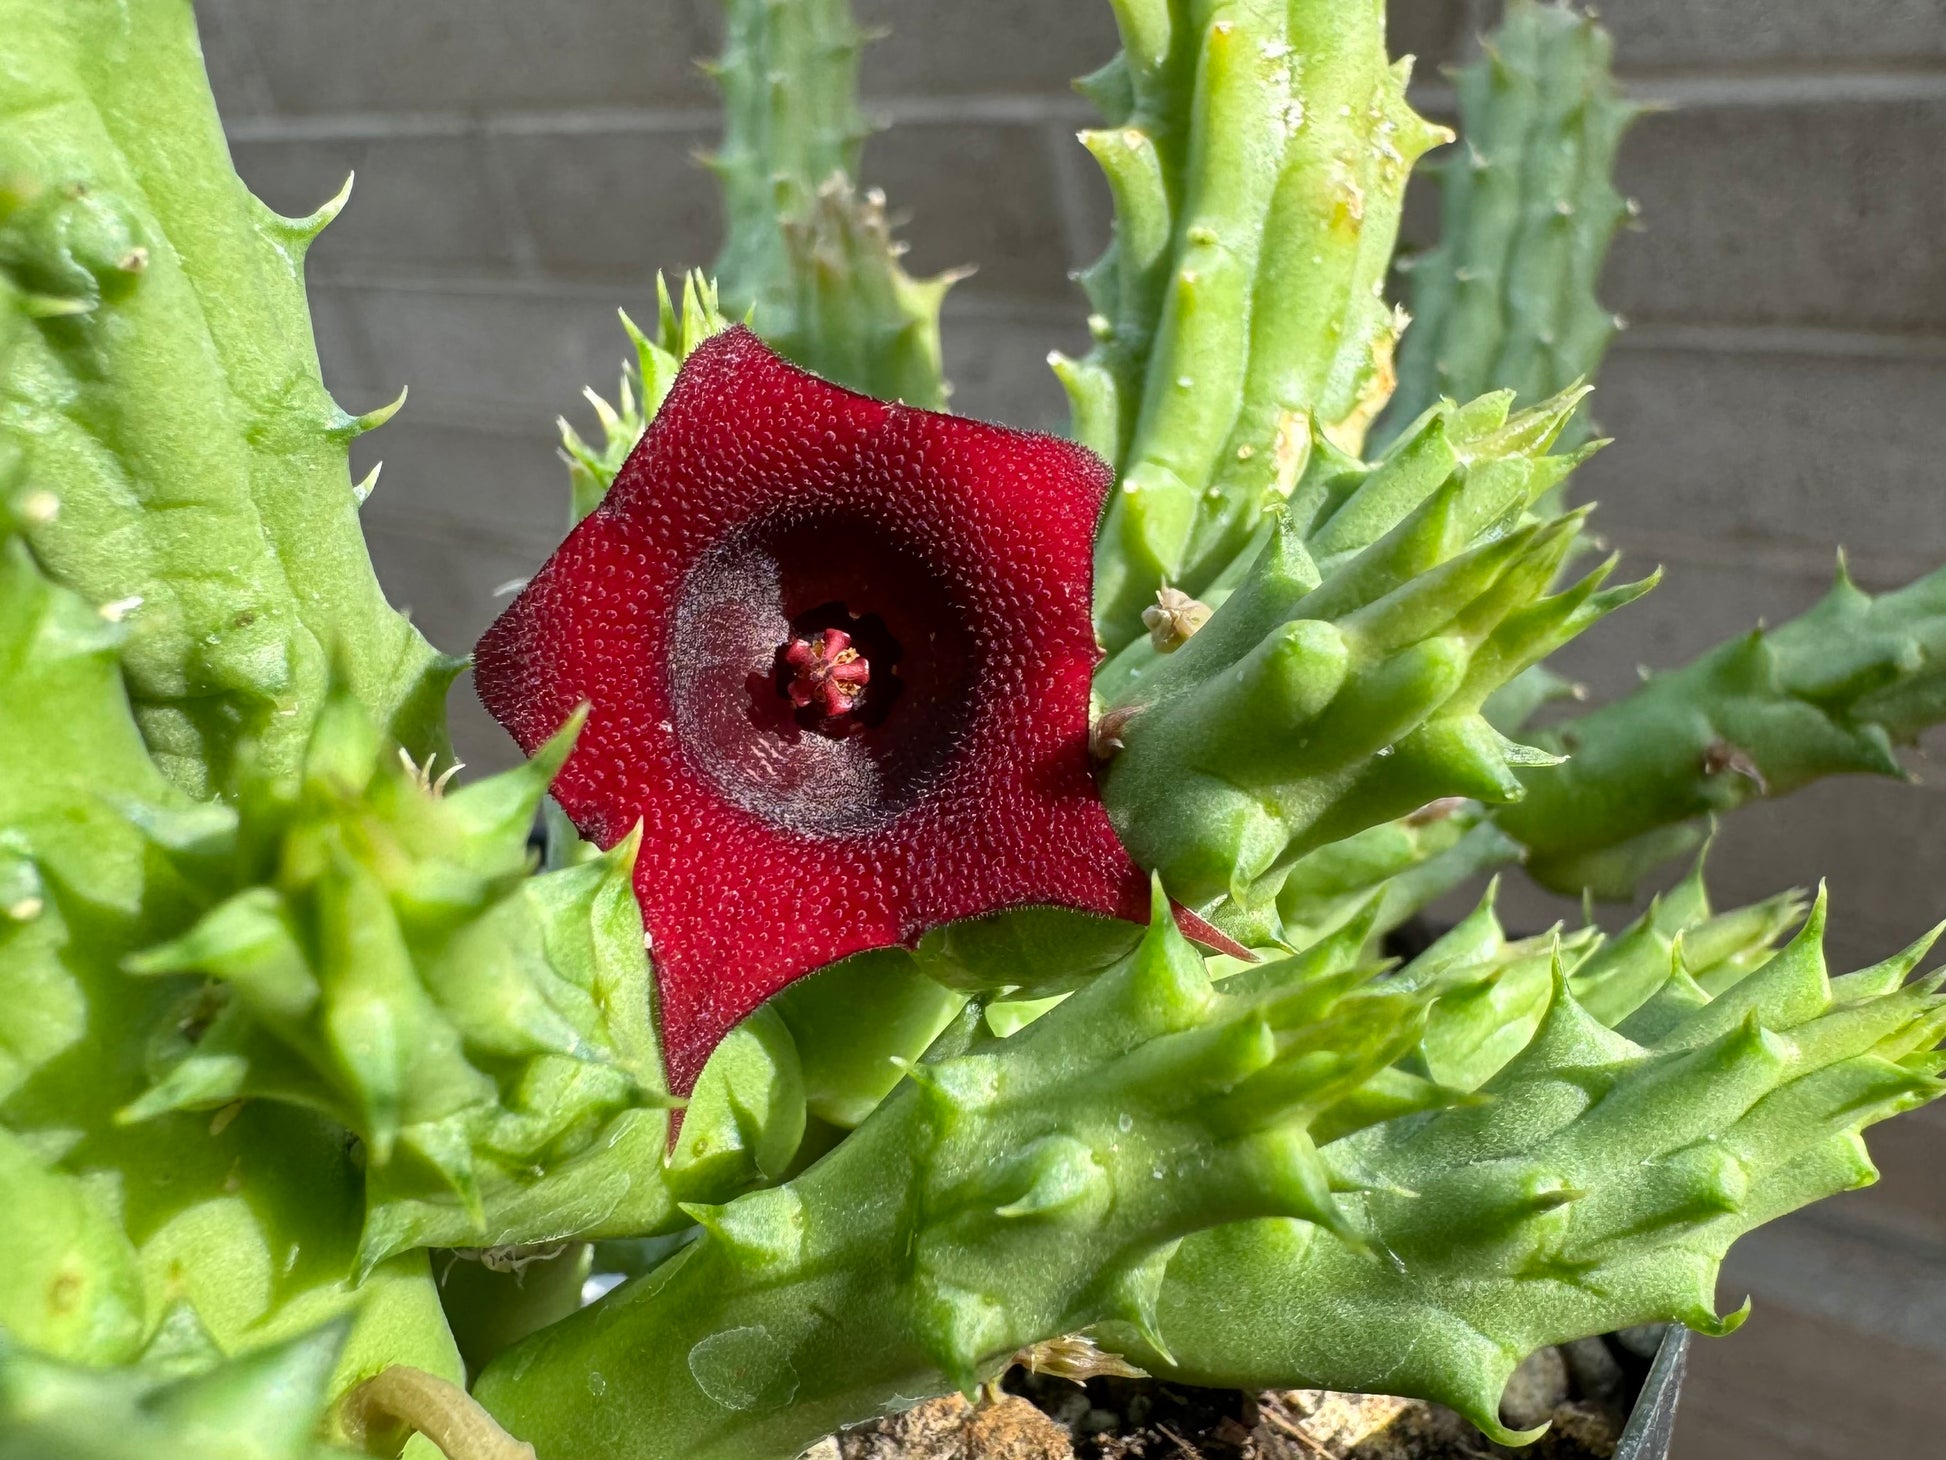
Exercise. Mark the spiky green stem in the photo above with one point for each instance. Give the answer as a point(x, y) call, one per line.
point(1018, 1189)
point(1258, 152)
point(809, 252)
point(1597, 1185)
point(680, 328)
point(1507, 299)
point(386, 959)
point(167, 396)
point(183, 1401)
point(1830, 692)
point(248, 1212)
point(1340, 684)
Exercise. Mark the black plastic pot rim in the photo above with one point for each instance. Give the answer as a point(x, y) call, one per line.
point(1652, 1423)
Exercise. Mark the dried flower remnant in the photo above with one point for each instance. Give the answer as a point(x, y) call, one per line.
point(838, 654)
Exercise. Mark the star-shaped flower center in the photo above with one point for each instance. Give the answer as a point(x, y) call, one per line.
point(827, 672)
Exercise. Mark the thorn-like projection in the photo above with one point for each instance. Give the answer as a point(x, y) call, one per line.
point(300, 233)
point(765, 1229)
point(348, 428)
point(362, 491)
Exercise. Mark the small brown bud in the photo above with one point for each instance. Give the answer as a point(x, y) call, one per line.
point(1105, 735)
point(1723, 756)
point(1173, 619)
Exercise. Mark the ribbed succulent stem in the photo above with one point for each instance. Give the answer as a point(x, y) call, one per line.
point(789, 76)
point(1830, 692)
point(1507, 299)
point(809, 251)
point(166, 392)
point(248, 1212)
point(1597, 1184)
point(1341, 679)
point(1010, 1191)
point(1257, 152)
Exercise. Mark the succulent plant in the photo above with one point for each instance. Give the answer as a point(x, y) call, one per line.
point(1258, 157)
point(1019, 1188)
point(1506, 300)
point(1319, 701)
point(1831, 691)
point(809, 252)
point(874, 1046)
point(1598, 1185)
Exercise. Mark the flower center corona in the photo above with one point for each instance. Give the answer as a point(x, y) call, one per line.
point(826, 671)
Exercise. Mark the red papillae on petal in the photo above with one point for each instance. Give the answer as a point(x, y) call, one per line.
point(763, 508)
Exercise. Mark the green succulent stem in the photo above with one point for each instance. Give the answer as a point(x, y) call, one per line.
point(1009, 1191)
point(1597, 1184)
point(809, 253)
point(1831, 691)
point(1341, 680)
point(248, 1212)
point(1507, 301)
point(165, 392)
point(1257, 152)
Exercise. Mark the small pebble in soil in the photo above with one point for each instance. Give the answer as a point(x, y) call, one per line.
point(1540, 1383)
point(1598, 1374)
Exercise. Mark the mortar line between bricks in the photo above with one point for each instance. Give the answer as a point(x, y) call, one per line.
point(1813, 1267)
point(969, 302)
point(1028, 109)
point(1904, 1245)
point(1706, 91)
point(523, 245)
point(1770, 339)
point(963, 303)
point(1695, 92)
point(452, 529)
point(1872, 568)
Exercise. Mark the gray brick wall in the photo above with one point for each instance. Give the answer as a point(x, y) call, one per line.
point(525, 168)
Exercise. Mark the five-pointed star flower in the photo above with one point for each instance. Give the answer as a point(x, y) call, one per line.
point(837, 653)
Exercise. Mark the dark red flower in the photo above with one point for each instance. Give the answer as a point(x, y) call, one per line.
point(838, 654)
